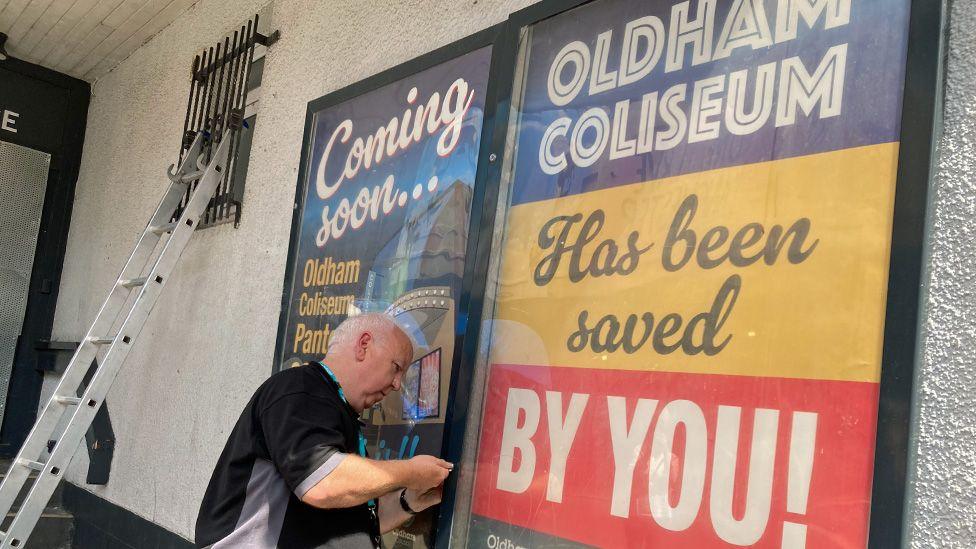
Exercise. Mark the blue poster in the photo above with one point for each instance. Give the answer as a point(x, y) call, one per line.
point(388, 185)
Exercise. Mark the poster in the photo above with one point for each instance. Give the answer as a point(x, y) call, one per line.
point(685, 345)
point(384, 227)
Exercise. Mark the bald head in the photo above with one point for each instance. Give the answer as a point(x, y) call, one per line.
point(381, 325)
point(369, 354)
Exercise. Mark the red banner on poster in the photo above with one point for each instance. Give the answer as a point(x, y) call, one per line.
point(624, 459)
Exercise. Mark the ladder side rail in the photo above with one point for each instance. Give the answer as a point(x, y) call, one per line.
point(74, 373)
point(134, 265)
point(101, 382)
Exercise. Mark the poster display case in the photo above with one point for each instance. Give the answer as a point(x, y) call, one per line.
point(683, 341)
point(662, 259)
point(382, 221)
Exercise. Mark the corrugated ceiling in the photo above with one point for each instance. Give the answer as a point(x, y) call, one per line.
point(83, 38)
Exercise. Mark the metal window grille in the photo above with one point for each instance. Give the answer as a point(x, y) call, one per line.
point(221, 78)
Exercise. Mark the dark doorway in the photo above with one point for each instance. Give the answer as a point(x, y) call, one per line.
point(42, 127)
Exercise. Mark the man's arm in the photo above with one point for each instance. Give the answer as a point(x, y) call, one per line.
point(357, 480)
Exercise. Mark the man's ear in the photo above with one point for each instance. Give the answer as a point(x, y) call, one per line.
point(365, 339)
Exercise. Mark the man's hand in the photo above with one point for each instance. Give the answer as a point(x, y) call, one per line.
point(418, 501)
point(428, 472)
point(424, 480)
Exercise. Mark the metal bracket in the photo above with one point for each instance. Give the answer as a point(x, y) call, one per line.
point(53, 356)
point(269, 40)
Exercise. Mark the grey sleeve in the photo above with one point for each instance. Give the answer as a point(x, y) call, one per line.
point(317, 475)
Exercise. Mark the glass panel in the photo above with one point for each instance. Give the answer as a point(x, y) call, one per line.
point(683, 332)
point(384, 227)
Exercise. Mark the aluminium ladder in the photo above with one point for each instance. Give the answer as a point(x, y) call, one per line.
point(80, 411)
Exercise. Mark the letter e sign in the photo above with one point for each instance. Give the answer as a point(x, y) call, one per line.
point(7, 121)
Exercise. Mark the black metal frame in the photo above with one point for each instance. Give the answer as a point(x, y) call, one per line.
point(26, 379)
point(487, 177)
point(921, 94)
point(919, 120)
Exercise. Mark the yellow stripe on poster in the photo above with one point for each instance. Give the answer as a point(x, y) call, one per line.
point(786, 278)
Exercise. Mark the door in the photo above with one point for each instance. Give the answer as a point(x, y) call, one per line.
point(23, 184)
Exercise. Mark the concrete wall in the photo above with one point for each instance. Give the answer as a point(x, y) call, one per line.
point(943, 510)
point(210, 341)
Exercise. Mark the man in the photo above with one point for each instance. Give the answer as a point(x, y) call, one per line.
point(294, 473)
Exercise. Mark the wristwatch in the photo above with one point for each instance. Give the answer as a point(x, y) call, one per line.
point(403, 503)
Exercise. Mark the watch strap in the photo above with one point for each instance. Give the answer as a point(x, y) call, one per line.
point(404, 504)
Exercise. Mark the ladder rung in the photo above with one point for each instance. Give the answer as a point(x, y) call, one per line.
point(68, 401)
point(101, 340)
point(133, 282)
point(35, 465)
point(160, 229)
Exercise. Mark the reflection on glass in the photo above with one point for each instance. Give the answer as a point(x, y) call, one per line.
point(681, 343)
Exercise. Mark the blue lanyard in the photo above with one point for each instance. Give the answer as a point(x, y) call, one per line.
point(359, 432)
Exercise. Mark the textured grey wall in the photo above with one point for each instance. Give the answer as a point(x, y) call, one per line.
point(943, 512)
point(210, 340)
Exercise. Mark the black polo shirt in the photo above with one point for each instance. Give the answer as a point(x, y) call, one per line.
point(294, 432)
